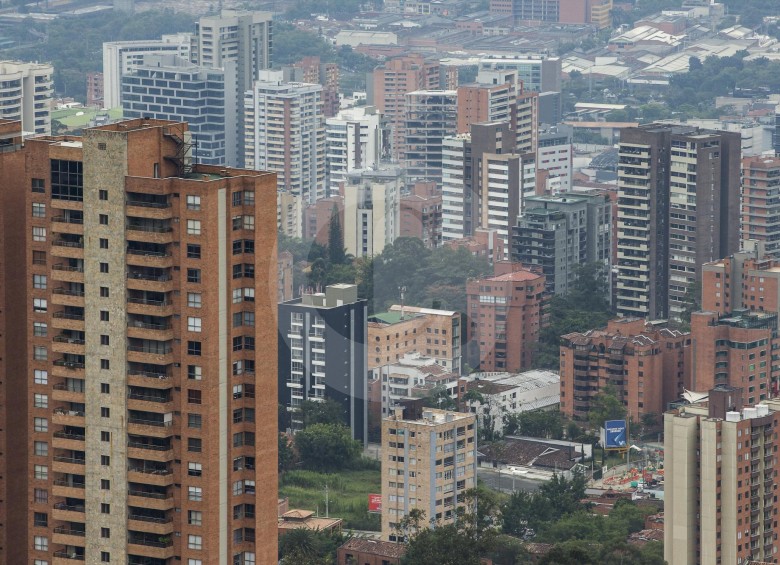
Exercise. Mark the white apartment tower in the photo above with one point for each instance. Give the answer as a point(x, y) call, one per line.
point(431, 115)
point(26, 91)
point(354, 140)
point(285, 132)
point(371, 211)
point(121, 57)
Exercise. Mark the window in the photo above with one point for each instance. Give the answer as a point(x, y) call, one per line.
point(105, 556)
point(105, 484)
point(41, 519)
point(41, 377)
point(38, 210)
point(194, 469)
point(195, 517)
point(41, 400)
point(194, 396)
point(40, 281)
point(105, 388)
point(243, 222)
point(244, 270)
point(41, 543)
point(103, 219)
point(194, 542)
point(105, 412)
point(243, 246)
point(40, 329)
point(104, 340)
point(104, 293)
point(40, 305)
point(40, 495)
point(39, 257)
point(105, 436)
point(243, 294)
point(243, 438)
point(194, 372)
point(105, 508)
point(41, 472)
point(103, 243)
point(103, 267)
point(194, 420)
point(195, 494)
point(193, 348)
point(67, 180)
point(193, 202)
point(193, 275)
point(40, 353)
point(194, 299)
point(38, 185)
point(38, 233)
point(193, 227)
point(194, 561)
point(40, 425)
point(105, 533)
point(193, 251)
point(103, 194)
point(105, 364)
point(105, 460)
point(104, 316)
point(194, 325)
point(41, 448)
point(195, 445)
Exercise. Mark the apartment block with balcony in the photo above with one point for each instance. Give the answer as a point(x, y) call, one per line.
point(720, 480)
point(144, 400)
point(431, 116)
point(761, 201)
point(427, 464)
point(648, 366)
point(26, 91)
point(322, 354)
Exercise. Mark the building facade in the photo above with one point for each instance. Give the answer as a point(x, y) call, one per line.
point(431, 115)
point(322, 354)
point(354, 139)
point(27, 95)
point(760, 202)
point(560, 233)
point(678, 208)
point(371, 211)
point(647, 366)
point(285, 133)
point(421, 214)
point(504, 318)
point(427, 464)
point(142, 401)
point(95, 95)
point(554, 155)
point(720, 456)
point(168, 87)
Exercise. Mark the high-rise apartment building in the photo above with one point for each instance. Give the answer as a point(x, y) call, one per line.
point(119, 58)
point(720, 476)
point(537, 73)
point(596, 12)
point(95, 89)
point(285, 133)
point(430, 117)
point(168, 87)
point(749, 279)
point(554, 158)
point(428, 464)
point(735, 349)
point(389, 85)
point(504, 318)
point(322, 354)
point(421, 214)
point(354, 139)
point(760, 202)
point(141, 399)
point(492, 102)
point(371, 211)
point(648, 367)
point(560, 233)
point(678, 208)
point(484, 181)
point(27, 94)
point(310, 69)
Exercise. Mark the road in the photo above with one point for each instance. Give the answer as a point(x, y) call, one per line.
point(491, 479)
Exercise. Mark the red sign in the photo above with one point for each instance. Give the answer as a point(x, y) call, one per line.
point(374, 502)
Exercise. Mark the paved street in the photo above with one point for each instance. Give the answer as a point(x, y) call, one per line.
point(491, 479)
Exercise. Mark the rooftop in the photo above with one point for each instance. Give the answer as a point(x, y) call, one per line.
point(375, 547)
point(516, 276)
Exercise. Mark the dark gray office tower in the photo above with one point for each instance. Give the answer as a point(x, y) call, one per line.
point(322, 354)
point(562, 232)
point(678, 208)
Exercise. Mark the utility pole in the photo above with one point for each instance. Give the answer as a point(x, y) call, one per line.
point(326, 501)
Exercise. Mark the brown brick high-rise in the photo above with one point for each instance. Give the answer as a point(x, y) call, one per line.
point(141, 404)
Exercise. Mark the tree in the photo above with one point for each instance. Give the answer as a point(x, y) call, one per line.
point(336, 252)
point(326, 447)
point(443, 545)
point(605, 406)
point(691, 304)
point(302, 546)
point(564, 495)
point(286, 454)
point(321, 412)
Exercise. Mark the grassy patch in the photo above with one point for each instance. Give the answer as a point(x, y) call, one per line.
point(80, 117)
point(347, 492)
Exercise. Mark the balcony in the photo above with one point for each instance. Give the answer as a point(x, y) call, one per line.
point(148, 450)
point(149, 255)
point(149, 475)
point(68, 342)
point(156, 379)
point(70, 487)
point(68, 556)
point(150, 545)
point(72, 391)
point(149, 304)
point(149, 327)
point(149, 230)
point(68, 535)
point(70, 318)
point(68, 245)
point(73, 512)
point(149, 278)
point(68, 439)
point(69, 295)
point(140, 519)
point(150, 351)
point(68, 417)
point(150, 500)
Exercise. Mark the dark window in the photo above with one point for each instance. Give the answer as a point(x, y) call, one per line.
point(104, 317)
point(67, 180)
point(104, 267)
point(105, 340)
point(105, 412)
point(193, 348)
point(105, 436)
point(193, 275)
point(38, 185)
point(103, 243)
point(103, 194)
point(105, 508)
point(194, 396)
point(41, 519)
point(105, 364)
point(103, 219)
point(105, 388)
point(194, 444)
point(104, 291)
point(193, 251)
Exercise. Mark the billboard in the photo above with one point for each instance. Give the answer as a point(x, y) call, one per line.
point(374, 502)
point(615, 436)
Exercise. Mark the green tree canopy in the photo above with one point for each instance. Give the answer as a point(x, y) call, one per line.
point(327, 447)
point(321, 412)
point(605, 406)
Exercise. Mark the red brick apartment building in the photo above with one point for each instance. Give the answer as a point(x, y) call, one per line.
point(505, 314)
point(139, 395)
point(647, 365)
